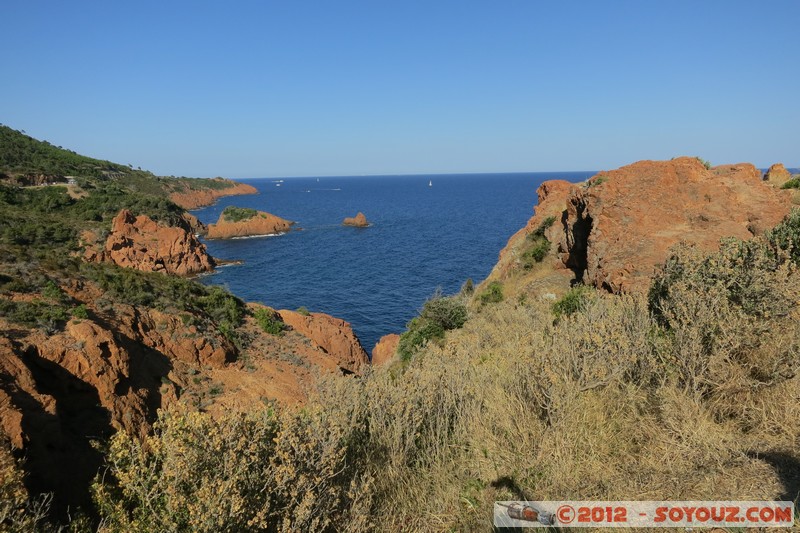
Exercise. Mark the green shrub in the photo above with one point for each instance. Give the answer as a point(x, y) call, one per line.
point(793, 183)
point(51, 291)
point(538, 233)
point(447, 312)
point(704, 162)
point(269, 321)
point(80, 312)
point(749, 275)
point(418, 333)
point(538, 245)
point(599, 180)
point(237, 214)
point(535, 254)
point(303, 311)
point(439, 314)
point(786, 236)
point(36, 313)
point(573, 301)
point(492, 294)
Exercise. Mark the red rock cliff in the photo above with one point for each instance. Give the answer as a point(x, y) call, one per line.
point(621, 226)
point(142, 244)
point(333, 335)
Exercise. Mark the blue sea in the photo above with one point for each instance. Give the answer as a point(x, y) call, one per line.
point(427, 233)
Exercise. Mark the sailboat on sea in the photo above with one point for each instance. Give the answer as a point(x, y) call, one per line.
point(430, 183)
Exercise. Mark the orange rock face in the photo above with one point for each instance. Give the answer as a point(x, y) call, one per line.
point(621, 226)
point(777, 174)
point(62, 390)
point(553, 196)
point(189, 199)
point(333, 335)
point(358, 221)
point(142, 244)
point(115, 369)
point(386, 349)
point(260, 224)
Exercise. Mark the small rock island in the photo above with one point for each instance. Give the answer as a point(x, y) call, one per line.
point(358, 221)
point(245, 222)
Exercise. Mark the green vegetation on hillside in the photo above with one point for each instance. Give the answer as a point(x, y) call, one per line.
point(438, 315)
point(492, 294)
point(22, 154)
point(212, 306)
point(52, 217)
point(537, 244)
point(793, 183)
point(237, 214)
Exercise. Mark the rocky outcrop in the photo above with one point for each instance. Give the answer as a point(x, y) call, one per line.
point(193, 199)
point(553, 196)
point(260, 223)
point(142, 244)
point(385, 350)
point(61, 391)
point(620, 226)
point(358, 221)
point(777, 175)
point(333, 335)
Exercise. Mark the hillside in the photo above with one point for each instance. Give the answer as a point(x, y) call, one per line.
point(587, 366)
point(28, 161)
point(88, 347)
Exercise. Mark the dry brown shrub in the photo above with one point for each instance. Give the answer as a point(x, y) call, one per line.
point(259, 471)
point(18, 513)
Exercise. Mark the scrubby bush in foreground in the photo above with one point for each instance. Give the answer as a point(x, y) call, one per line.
point(439, 314)
point(242, 472)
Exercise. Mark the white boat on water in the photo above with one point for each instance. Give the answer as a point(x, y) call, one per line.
point(430, 183)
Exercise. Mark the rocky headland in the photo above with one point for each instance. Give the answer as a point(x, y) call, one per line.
point(236, 222)
point(189, 198)
point(613, 230)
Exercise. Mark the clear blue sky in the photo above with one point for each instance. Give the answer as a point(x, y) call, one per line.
point(288, 88)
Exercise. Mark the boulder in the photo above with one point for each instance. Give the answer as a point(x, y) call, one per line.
point(777, 175)
point(333, 335)
point(358, 221)
point(386, 349)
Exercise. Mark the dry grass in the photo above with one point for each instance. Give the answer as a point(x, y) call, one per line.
point(514, 406)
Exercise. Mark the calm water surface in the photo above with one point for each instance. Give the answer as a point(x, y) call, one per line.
point(422, 238)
